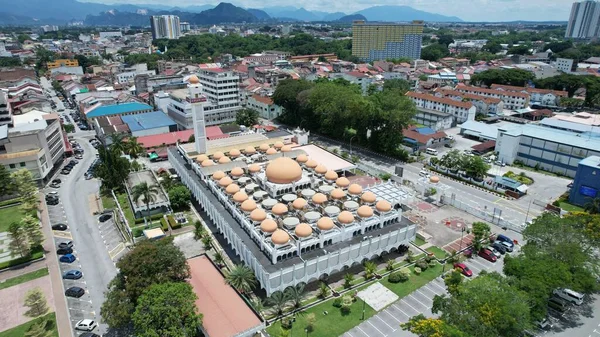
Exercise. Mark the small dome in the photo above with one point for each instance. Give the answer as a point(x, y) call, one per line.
point(240, 197)
point(217, 155)
point(201, 158)
point(268, 226)
point(383, 206)
point(232, 189)
point(248, 205)
point(311, 163)
point(434, 179)
point(319, 198)
point(342, 182)
point(338, 194)
point(283, 170)
point(218, 175)
point(271, 151)
point(325, 223)
point(286, 148)
point(224, 160)
point(237, 172)
point(355, 189)
point(331, 175)
point(264, 147)
point(225, 181)
point(279, 209)
point(302, 158)
point(278, 145)
point(321, 169)
point(303, 230)
point(299, 203)
point(234, 153)
point(250, 150)
point(254, 168)
point(193, 79)
point(346, 217)
point(365, 211)
point(258, 215)
point(368, 197)
point(207, 163)
point(280, 237)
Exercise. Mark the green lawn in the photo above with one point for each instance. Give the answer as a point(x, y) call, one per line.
point(108, 202)
point(438, 252)
point(19, 331)
point(36, 253)
point(419, 242)
point(570, 208)
point(8, 216)
point(126, 206)
point(415, 282)
point(332, 324)
point(24, 278)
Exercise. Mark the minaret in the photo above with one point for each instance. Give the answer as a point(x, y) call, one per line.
point(196, 100)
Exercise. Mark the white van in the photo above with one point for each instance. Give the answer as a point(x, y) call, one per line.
point(431, 151)
point(569, 295)
point(424, 173)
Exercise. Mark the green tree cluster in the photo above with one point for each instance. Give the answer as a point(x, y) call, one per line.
point(434, 52)
point(472, 166)
point(179, 196)
point(246, 117)
point(113, 169)
point(517, 77)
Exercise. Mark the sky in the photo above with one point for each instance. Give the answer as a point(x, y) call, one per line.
point(468, 10)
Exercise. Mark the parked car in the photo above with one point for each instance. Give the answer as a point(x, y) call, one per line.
point(493, 250)
point(65, 172)
point(424, 174)
point(105, 217)
point(55, 185)
point(67, 258)
point(72, 275)
point(66, 244)
point(544, 323)
point(487, 254)
point(86, 325)
point(508, 242)
point(58, 181)
point(75, 292)
point(51, 195)
point(52, 201)
point(59, 227)
point(74, 162)
point(79, 156)
point(558, 304)
point(569, 295)
point(463, 269)
point(64, 251)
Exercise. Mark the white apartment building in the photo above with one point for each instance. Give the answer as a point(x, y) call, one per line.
point(165, 27)
point(355, 77)
point(565, 65)
point(265, 106)
point(461, 111)
point(547, 97)
point(128, 76)
point(484, 105)
point(6, 113)
point(512, 100)
point(584, 20)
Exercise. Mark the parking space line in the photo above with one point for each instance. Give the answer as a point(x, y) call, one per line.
point(427, 287)
point(413, 308)
point(374, 327)
point(435, 284)
point(362, 331)
point(384, 322)
point(397, 308)
point(421, 303)
point(420, 292)
point(394, 318)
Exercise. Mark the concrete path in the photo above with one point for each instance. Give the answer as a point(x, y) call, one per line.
point(22, 269)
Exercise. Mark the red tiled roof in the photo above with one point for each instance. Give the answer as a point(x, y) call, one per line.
point(443, 100)
point(492, 91)
point(541, 112)
point(357, 74)
point(530, 90)
point(420, 138)
point(487, 100)
point(490, 144)
point(215, 132)
point(263, 99)
point(170, 138)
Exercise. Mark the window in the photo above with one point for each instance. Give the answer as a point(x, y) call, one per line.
point(12, 166)
point(22, 164)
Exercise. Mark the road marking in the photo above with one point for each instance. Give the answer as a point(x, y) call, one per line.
point(112, 256)
point(413, 308)
point(435, 284)
point(374, 327)
point(423, 304)
point(430, 289)
point(384, 322)
point(397, 308)
point(392, 316)
point(361, 330)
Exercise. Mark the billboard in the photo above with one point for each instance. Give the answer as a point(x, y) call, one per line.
point(588, 191)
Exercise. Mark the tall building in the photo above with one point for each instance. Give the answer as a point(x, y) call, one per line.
point(584, 20)
point(197, 99)
point(380, 41)
point(165, 27)
point(222, 90)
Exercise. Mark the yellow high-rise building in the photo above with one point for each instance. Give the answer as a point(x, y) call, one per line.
point(63, 63)
point(380, 41)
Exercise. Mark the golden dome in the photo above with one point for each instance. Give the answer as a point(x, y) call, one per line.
point(248, 205)
point(319, 198)
point(383, 206)
point(321, 169)
point(234, 153)
point(254, 168)
point(207, 163)
point(434, 179)
point(311, 163)
point(258, 214)
point(217, 155)
point(365, 211)
point(338, 194)
point(250, 150)
point(368, 197)
point(286, 148)
point(240, 197)
point(201, 158)
point(303, 230)
point(224, 160)
point(331, 175)
point(355, 189)
point(237, 171)
point(280, 237)
point(268, 226)
point(342, 182)
point(278, 145)
point(302, 158)
point(271, 151)
point(345, 217)
point(283, 170)
point(225, 181)
point(232, 189)
point(279, 209)
point(264, 147)
point(299, 203)
point(193, 79)
point(325, 223)
point(218, 175)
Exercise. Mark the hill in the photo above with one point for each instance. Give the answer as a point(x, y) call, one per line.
point(224, 12)
point(351, 17)
point(259, 14)
point(333, 16)
point(403, 14)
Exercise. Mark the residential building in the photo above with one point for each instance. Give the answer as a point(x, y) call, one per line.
point(566, 65)
point(546, 97)
point(512, 100)
point(460, 111)
point(149, 123)
point(147, 83)
point(434, 119)
point(424, 138)
point(355, 77)
point(184, 26)
point(165, 27)
point(128, 76)
point(381, 41)
point(76, 70)
point(265, 107)
point(122, 109)
point(6, 112)
point(586, 183)
point(484, 105)
point(584, 20)
point(106, 35)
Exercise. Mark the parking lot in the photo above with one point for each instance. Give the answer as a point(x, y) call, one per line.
point(112, 238)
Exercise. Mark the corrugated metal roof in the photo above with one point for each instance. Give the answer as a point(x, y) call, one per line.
point(117, 109)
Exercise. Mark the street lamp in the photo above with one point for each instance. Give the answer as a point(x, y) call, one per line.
point(461, 238)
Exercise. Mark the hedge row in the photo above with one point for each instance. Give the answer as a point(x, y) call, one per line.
point(152, 218)
point(164, 225)
point(36, 253)
point(10, 202)
point(174, 224)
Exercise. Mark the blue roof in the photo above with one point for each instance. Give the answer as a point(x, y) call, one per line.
point(425, 131)
point(591, 161)
point(148, 120)
point(118, 109)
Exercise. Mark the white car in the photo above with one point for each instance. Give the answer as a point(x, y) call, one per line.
point(86, 325)
point(569, 295)
point(424, 173)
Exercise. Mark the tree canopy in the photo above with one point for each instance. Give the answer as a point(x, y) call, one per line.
point(246, 117)
point(434, 52)
point(113, 168)
point(517, 77)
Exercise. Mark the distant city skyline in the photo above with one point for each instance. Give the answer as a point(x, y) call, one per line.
point(468, 10)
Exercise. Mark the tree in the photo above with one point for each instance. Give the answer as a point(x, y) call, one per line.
point(445, 39)
point(207, 242)
point(192, 138)
point(40, 328)
point(199, 230)
point(23, 37)
point(519, 50)
point(452, 160)
point(434, 52)
point(247, 117)
point(241, 278)
point(516, 77)
point(492, 47)
point(324, 290)
point(389, 265)
point(453, 281)
point(36, 302)
point(592, 206)
point(113, 169)
point(118, 143)
point(347, 301)
point(310, 320)
point(474, 167)
point(296, 294)
point(481, 231)
point(167, 309)
point(26, 189)
point(133, 148)
point(6, 182)
point(370, 269)
point(279, 300)
point(430, 327)
point(218, 257)
point(402, 86)
point(348, 278)
point(34, 233)
point(135, 166)
point(147, 193)
point(19, 242)
point(180, 197)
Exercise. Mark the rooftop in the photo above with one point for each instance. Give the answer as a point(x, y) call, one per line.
point(479, 129)
point(148, 120)
point(136, 178)
point(117, 109)
point(591, 161)
point(167, 139)
point(443, 100)
point(588, 141)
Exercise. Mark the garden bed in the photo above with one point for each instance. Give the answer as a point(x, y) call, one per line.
point(414, 282)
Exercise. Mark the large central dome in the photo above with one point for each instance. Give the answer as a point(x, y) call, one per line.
point(283, 170)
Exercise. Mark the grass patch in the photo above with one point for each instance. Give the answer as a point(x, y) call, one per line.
point(332, 324)
point(19, 331)
point(126, 206)
point(35, 254)
point(415, 282)
point(438, 252)
point(24, 278)
point(8, 216)
point(570, 207)
point(108, 202)
point(419, 242)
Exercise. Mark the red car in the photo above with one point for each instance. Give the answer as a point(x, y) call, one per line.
point(463, 269)
point(487, 254)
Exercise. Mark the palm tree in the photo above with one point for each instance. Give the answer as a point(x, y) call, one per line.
point(258, 305)
point(145, 192)
point(166, 181)
point(296, 294)
point(324, 290)
point(390, 264)
point(219, 260)
point(117, 143)
point(593, 206)
point(133, 148)
point(348, 278)
point(370, 269)
point(278, 300)
point(199, 230)
point(241, 278)
point(206, 241)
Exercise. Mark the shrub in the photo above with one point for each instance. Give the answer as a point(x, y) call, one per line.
point(137, 232)
point(398, 277)
point(422, 264)
point(429, 258)
point(337, 302)
point(174, 224)
point(432, 264)
point(164, 225)
point(406, 272)
point(417, 270)
point(286, 323)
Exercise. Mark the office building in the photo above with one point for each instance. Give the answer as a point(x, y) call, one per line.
point(566, 65)
point(586, 183)
point(165, 27)
point(381, 41)
point(222, 90)
point(584, 20)
point(265, 107)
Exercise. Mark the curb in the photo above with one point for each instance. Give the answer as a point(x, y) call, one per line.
point(469, 184)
